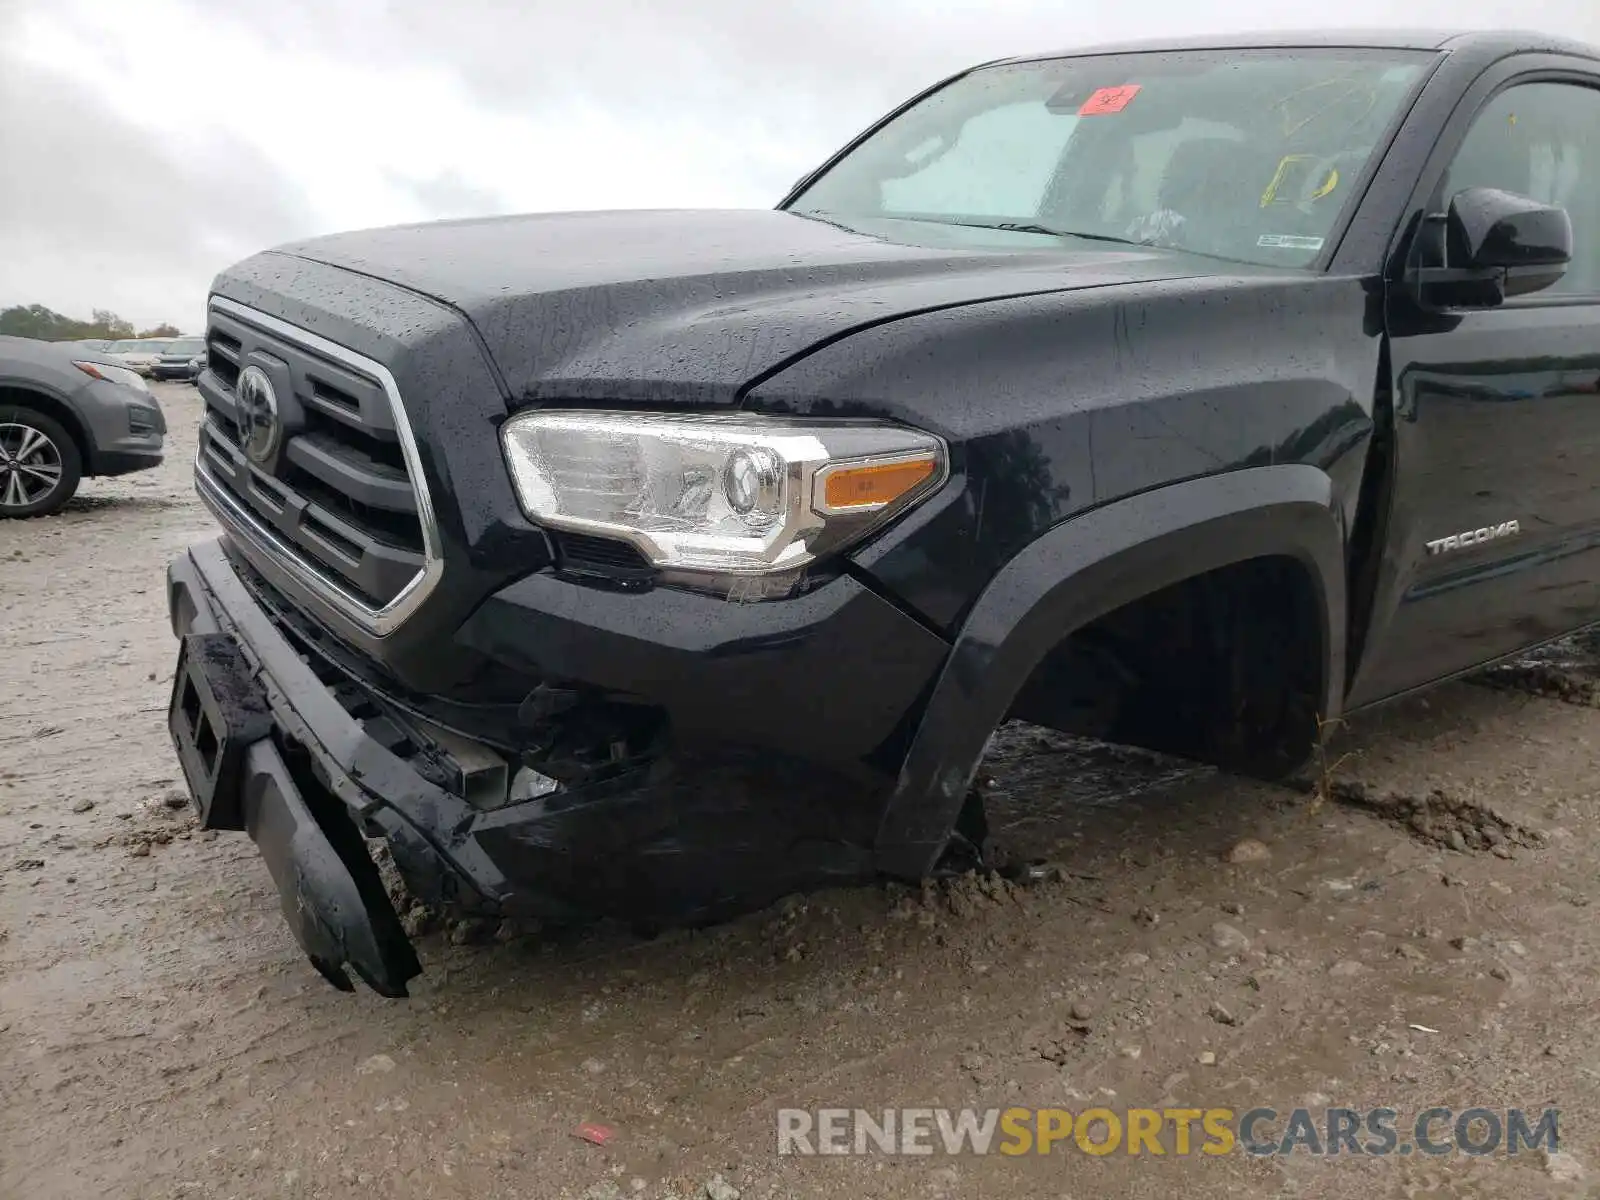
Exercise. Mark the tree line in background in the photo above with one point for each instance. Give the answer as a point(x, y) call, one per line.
point(46, 325)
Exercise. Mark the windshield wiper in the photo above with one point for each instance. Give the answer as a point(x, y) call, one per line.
point(1027, 227)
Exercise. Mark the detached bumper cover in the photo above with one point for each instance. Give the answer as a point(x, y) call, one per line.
point(332, 897)
point(221, 724)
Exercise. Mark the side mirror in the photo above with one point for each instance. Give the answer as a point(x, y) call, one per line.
point(1492, 230)
point(1490, 245)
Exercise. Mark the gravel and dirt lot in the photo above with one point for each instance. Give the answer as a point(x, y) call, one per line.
point(1419, 933)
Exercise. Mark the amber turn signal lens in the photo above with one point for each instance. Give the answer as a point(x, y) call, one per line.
point(875, 486)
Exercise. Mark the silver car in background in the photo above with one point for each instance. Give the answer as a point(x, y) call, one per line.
point(67, 413)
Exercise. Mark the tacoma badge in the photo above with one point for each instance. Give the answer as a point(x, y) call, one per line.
point(1473, 537)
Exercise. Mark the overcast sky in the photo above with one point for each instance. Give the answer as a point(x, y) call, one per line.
point(145, 144)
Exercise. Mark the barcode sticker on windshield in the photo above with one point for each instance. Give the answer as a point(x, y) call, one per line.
point(1288, 241)
point(1109, 100)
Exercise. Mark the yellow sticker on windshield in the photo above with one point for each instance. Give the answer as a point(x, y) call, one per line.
point(1285, 169)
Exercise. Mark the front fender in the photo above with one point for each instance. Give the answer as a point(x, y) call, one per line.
point(1080, 570)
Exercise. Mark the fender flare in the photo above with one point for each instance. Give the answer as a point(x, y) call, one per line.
point(1080, 570)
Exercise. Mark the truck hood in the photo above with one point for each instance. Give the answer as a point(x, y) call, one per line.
point(694, 306)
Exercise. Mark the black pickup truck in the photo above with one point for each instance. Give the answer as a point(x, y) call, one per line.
point(1183, 395)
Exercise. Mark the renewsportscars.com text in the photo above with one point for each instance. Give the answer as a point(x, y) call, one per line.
point(1208, 1132)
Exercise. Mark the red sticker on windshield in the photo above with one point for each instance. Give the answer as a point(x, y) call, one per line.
point(1109, 100)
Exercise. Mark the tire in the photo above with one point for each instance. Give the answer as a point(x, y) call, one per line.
point(33, 449)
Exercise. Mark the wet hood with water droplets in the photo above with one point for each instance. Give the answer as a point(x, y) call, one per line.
point(693, 306)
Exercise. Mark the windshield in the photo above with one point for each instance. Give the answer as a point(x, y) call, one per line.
point(1245, 155)
point(190, 346)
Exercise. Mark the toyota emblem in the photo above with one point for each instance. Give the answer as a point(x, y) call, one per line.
point(260, 423)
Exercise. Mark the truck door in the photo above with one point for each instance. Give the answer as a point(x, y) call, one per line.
point(1493, 540)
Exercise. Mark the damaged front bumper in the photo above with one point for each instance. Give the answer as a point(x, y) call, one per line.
point(269, 747)
point(265, 748)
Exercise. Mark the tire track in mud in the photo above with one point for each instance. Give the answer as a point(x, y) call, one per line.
point(1438, 818)
point(1567, 670)
point(1095, 775)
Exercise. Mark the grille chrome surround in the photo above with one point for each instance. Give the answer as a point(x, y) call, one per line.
point(310, 581)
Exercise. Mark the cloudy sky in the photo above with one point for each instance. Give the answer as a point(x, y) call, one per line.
point(144, 144)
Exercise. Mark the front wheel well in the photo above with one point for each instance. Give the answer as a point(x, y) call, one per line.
point(12, 396)
point(1226, 667)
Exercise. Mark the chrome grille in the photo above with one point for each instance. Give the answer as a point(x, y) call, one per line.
point(341, 504)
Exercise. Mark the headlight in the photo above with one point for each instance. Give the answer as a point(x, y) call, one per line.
point(731, 494)
point(112, 374)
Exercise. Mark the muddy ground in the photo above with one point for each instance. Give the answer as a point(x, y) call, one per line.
point(161, 1036)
